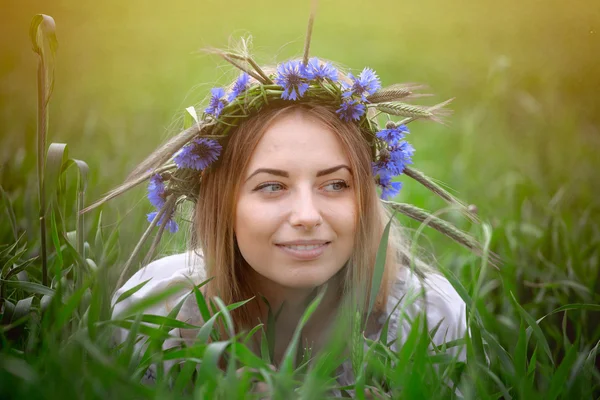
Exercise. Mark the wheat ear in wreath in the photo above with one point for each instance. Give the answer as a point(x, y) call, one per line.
point(444, 227)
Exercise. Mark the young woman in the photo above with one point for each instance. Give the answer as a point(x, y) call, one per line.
point(284, 170)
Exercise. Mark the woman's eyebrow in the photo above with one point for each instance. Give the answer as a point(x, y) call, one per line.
point(285, 174)
point(271, 171)
point(333, 169)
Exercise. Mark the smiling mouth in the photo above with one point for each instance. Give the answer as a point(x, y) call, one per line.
point(304, 247)
point(304, 252)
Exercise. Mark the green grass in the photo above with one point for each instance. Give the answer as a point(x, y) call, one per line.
point(521, 146)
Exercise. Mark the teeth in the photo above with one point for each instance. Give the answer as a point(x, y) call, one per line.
point(304, 247)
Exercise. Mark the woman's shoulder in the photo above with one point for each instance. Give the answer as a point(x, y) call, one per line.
point(432, 295)
point(179, 269)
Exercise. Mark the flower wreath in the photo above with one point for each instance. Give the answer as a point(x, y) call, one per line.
point(313, 82)
point(174, 170)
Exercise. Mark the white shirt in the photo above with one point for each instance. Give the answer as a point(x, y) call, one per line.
point(433, 295)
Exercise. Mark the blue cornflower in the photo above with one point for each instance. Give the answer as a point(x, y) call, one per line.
point(394, 159)
point(388, 188)
point(394, 135)
point(216, 103)
point(401, 155)
point(198, 155)
point(351, 110)
point(156, 191)
point(171, 225)
point(239, 87)
point(364, 85)
point(292, 77)
point(316, 70)
point(385, 166)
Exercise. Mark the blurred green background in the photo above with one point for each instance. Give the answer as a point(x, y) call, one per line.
point(522, 142)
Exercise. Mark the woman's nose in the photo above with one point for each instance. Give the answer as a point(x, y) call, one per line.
point(305, 212)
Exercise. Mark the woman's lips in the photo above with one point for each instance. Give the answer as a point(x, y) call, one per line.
point(304, 251)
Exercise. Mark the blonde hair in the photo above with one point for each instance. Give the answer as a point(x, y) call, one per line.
point(215, 212)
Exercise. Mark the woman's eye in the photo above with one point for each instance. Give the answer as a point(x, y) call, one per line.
point(269, 187)
point(337, 186)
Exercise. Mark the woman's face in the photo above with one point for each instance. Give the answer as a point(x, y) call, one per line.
point(296, 210)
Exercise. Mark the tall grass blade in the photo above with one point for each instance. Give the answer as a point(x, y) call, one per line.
point(22, 309)
point(562, 373)
point(251, 333)
point(383, 336)
point(12, 259)
point(115, 373)
point(125, 295)
point(357, 346)
point(567, 307)
point(10, 213)
point(30, 287)
point(19, 267)
point(82, 181)
point(84, 266)
point(99, 308)
point(265, 352)
point(64, 314)
point(209, 371)
point(288, 358)
point(55, 237)
point(201, 301)
point(539, 335)
point(226, 316)
point(164, 322)
point(19, 368)
point(98, 239)
point(270, 329)
point(505, 392)
point(206, 331)
point(150, 300)
point(41, 31)
point(9, 248)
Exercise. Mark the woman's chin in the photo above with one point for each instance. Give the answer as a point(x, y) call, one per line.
point(303, 280)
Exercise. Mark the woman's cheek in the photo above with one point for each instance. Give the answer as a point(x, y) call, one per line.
point(257, 216)
point(342, 213)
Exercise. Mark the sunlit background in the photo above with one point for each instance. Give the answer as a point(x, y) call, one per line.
point(525, 75)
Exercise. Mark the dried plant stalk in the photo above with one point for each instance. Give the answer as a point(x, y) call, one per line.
point(434, 113)
point(309, 28)
point(396, 92)
point(169, 210)
point(443, 227)
point(231, 59)
point(127, 186)
point(167, 150)
point(138, 247)
point(438, 190)
point(404, 110)
point(258, 69)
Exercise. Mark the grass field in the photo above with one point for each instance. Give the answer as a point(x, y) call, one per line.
point(521, 145)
